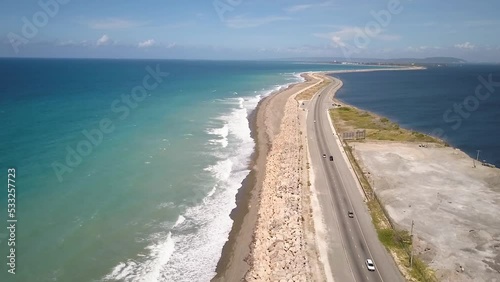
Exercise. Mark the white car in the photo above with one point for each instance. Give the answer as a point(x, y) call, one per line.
point(370, 265)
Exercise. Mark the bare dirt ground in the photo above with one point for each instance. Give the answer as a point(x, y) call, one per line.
point(455, 207)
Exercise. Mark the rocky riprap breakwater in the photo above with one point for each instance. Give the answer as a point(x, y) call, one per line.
point(279, 247)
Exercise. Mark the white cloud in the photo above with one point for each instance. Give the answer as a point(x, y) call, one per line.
point(84, 43)
point(147, 43)
point(348, 36)
point(303, 50)
point(297, 8)
point(465, 46)
point(171, 45)
point(104, 40)
point(417, 49)
point(348, 33)
point(243, 22)
point(114, 23)
point(66, 43)
point(337, 41)
point(302, 7)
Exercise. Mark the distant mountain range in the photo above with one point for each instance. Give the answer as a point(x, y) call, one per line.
point(430, 60)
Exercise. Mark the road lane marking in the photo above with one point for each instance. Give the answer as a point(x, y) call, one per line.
point(324, 168)
point(341, 178)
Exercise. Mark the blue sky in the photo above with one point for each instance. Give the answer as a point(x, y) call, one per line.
point(250, 29)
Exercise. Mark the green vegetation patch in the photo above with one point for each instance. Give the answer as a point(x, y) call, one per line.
point(421, 272)
point(348, 118)
point(392, 238)
point(386, 236)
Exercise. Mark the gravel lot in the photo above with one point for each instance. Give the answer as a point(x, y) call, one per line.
point(455, 207)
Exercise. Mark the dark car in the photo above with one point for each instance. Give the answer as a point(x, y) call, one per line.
point(350, 214)
point(331, 158)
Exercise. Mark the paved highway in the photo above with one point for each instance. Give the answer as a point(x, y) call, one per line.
point(352, 240)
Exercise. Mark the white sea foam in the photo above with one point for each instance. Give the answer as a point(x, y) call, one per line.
point(211, 224)
point(190, 250)
point(221, 170)
point(293, 77)
point(179, 221)
point(296, 76)
point(212, 192)
point(159, 254)
point(222, 133)
point(149, 270)
point(166, 205)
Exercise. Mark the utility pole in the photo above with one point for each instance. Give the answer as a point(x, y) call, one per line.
point(477, 159)
point(411, 238)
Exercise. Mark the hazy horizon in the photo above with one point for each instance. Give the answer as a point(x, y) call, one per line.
point(250, 30)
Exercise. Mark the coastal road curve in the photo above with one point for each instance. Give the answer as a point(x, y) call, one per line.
point(350, 240)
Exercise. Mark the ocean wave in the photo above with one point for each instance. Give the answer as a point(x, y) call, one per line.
point(222, 133)
point(192, 245)
point(149, 269)
point(297, 76)
point(209, 224)
point(179, 221)
point(221, 170)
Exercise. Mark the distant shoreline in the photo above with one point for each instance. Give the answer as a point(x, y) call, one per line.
point(394, 68)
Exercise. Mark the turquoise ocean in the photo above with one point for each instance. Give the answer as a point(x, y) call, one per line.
point(127, 170)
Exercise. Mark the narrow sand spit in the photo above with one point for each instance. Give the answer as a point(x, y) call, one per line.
point(273, 237)
point(282, 250)
point(455, 207)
